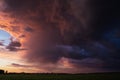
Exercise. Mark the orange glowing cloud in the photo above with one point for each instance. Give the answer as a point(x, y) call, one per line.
point(55, 35)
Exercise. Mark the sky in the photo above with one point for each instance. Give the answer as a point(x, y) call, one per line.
point(4, 37)
point(61, 36)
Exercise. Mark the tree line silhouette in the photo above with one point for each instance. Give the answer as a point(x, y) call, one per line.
point(2, 71)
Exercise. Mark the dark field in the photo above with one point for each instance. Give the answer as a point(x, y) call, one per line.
point(100, 76)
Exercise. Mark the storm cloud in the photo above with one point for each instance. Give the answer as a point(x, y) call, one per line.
point(85, 32)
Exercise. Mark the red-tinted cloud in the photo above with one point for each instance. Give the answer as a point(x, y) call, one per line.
point(72, 29)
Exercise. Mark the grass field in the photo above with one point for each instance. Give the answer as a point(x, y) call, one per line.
point(104, 76)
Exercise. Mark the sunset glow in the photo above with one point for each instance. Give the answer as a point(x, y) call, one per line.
point(61, 36)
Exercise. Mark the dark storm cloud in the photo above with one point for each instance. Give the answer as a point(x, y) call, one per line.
point(15, 46)
point(75, 29)
point(1, 44)
point(106, 16)
point(20, 65)
point(29, 29)
point(54, 54)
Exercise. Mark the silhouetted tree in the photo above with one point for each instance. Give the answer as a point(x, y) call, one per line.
point(6, 72)
point(1, 71)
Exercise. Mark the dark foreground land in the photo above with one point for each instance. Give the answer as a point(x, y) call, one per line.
point(100, 76)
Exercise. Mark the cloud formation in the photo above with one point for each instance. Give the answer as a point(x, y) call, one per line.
point(84, 32)
point(1, 43)
point(20, 65)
